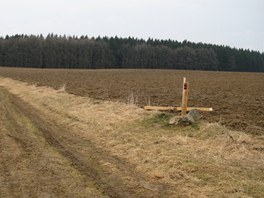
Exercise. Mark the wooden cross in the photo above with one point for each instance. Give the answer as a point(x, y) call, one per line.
point(184, 107)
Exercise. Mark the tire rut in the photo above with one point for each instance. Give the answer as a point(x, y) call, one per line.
point(111, 183)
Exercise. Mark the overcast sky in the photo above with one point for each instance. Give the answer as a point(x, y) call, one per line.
point(237, 23)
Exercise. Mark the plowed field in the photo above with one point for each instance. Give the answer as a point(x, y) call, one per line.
point(237, 98)
point(56, 144)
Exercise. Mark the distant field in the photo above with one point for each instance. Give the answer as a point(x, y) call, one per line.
point(237, 98)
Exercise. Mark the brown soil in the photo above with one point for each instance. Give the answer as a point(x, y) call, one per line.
point(237, 98)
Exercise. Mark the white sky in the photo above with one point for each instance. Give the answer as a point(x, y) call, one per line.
point(237, 23)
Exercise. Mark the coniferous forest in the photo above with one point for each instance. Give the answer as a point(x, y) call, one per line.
point(54, 51)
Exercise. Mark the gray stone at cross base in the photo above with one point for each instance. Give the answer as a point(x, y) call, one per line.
point(192, 117)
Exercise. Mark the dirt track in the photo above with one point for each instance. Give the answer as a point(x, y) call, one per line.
point(42, 159)
point(237, 98)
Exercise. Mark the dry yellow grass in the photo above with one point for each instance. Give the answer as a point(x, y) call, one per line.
point(205, 160)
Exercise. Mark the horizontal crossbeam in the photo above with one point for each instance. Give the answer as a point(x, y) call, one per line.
point(159, 108)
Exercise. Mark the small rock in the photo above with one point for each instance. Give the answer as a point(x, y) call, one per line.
point(194, 115)
point(174, 120)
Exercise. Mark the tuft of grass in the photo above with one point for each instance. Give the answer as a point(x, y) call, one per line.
point(62, 89)
point(195, 126)
point(159, 119)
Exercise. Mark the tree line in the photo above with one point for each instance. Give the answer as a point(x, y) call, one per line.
point(56, 51)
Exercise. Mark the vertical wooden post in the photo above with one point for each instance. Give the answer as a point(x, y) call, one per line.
point(184, 97)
